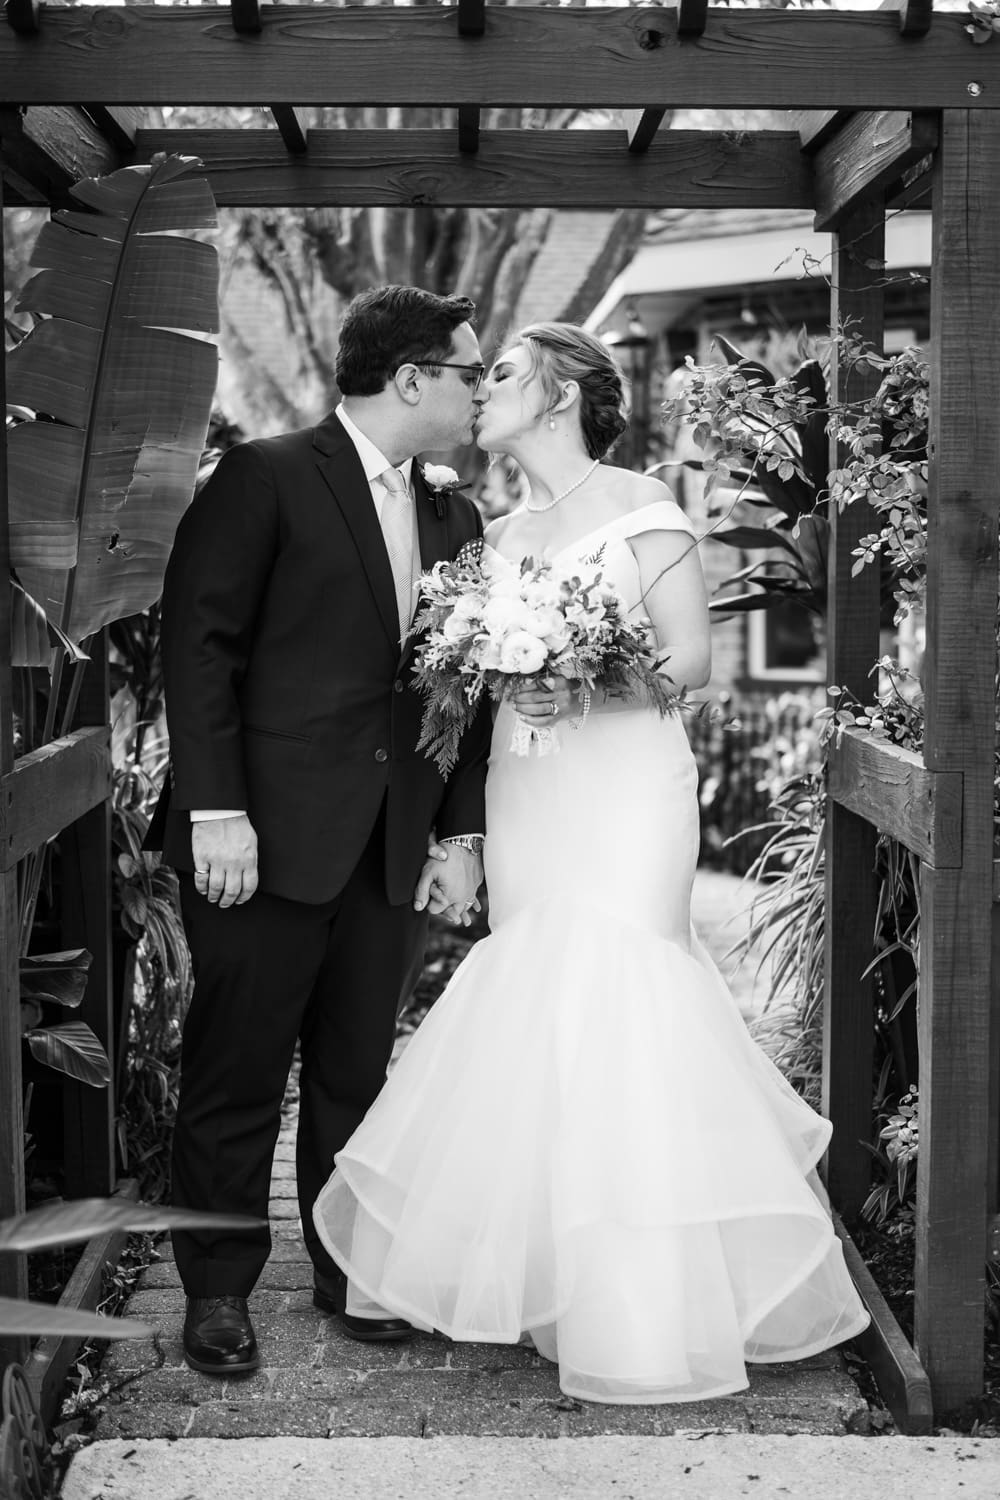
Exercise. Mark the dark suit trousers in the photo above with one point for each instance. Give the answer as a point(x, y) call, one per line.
point(267, 973)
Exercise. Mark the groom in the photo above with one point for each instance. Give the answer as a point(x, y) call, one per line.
point(298, 809)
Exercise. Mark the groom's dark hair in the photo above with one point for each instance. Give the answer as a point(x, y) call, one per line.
point(391, 326)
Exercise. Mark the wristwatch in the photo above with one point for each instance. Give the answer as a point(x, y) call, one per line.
point(471, 841)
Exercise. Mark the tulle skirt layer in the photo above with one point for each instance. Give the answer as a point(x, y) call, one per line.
point(583, 1146)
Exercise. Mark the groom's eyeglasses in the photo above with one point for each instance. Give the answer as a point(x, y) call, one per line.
point(443, 364)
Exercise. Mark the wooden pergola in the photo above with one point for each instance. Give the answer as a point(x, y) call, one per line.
point(890, 108)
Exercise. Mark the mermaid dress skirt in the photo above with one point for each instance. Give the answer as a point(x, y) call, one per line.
point(582, 1145)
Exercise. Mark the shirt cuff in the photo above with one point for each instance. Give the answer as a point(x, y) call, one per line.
point(209, 814)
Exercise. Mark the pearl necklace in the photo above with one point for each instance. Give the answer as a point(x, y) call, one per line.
point(536, 510)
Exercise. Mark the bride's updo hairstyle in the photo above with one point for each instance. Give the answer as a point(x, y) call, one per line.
point(564, 351)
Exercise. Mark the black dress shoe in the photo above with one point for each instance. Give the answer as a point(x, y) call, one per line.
point(330, 1296)
point(219, 1337)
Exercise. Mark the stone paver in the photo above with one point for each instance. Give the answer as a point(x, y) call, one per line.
point(315, 1382)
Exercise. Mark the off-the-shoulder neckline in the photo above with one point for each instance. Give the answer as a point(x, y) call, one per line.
point(628, 515)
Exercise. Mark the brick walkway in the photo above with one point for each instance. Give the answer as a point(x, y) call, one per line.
point(314, 1382)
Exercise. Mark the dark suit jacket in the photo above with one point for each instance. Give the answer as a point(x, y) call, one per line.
point(287, 693)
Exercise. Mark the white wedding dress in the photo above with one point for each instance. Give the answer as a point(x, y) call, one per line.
point(582, 1144)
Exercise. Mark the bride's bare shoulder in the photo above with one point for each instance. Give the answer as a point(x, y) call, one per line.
point(635, 491)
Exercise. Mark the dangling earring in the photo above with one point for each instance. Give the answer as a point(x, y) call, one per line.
point(552, 423)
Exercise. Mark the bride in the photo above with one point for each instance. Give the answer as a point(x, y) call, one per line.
point(582, 1146)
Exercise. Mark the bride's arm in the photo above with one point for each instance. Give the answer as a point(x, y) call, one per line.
point(675, 600)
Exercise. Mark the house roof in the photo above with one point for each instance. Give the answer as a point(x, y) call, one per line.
point(688, 255)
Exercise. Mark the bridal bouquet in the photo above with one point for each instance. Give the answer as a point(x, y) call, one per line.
point(493, 627)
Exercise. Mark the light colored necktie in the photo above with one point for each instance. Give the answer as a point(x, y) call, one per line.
point(397, 529)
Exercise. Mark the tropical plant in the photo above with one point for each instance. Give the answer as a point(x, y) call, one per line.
point(111, 405)
point(70, 1046)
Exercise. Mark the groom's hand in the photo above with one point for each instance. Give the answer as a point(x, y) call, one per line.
point(225, 859)
point(448, 883)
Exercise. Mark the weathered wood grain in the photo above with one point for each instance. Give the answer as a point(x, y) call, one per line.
point(118, 123)
point(53, 147)
point(47, 790)
point(13, 1268)
point(852, 647)
point(559, 169)
point(894, 790)
point(621, 57)
point(817, 126)
point(956, 1032)
point(868, 154)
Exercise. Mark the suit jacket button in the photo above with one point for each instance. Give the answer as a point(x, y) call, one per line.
point(397, 686)
point(381, 755)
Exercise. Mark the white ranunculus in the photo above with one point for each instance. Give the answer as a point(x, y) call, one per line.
point(540, 591)
point(522, 653)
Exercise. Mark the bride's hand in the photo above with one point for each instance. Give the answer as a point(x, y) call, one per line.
point(550, 700)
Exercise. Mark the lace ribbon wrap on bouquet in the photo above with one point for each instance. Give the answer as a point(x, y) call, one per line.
point(493, 627)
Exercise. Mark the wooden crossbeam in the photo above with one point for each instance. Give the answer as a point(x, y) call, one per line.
point(641, 126)
point(892, 788)
point(468, 129)
point(691, 17)
point(291, 126)
point(22, 16)
point(471, 17)
point(869, 153)
point(246, 17)
point(392, 55)
point(46, 150)
point(554, 169)
point(50, 788)
point(817, 126)
point(118, 125)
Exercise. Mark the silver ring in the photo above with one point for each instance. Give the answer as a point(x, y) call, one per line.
point(553, 709)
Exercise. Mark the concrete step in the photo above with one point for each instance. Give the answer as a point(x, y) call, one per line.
point(694, 1465)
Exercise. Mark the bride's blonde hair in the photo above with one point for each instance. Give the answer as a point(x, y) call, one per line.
point(564, 351)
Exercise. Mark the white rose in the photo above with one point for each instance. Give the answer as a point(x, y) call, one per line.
point(440, 477)
point(522, 653)
point(468, 607)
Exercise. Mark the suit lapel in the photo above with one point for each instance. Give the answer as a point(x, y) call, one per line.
point(338, 462)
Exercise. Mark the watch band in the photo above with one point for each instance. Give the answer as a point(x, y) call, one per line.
point(471, 841)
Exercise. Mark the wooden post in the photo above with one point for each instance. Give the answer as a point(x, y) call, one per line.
point(85, 846)
point(852, 648)
point(13, 1268)
point(956, 905)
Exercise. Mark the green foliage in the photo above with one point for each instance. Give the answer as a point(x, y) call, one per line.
point(70, 1046)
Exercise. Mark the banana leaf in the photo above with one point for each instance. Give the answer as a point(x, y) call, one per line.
point(81, 1219)
point(57, 977)
point(121, 394)
point(32, 635)
point(38, 1319)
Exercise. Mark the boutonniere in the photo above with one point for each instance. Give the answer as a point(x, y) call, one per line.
point(442, 482)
